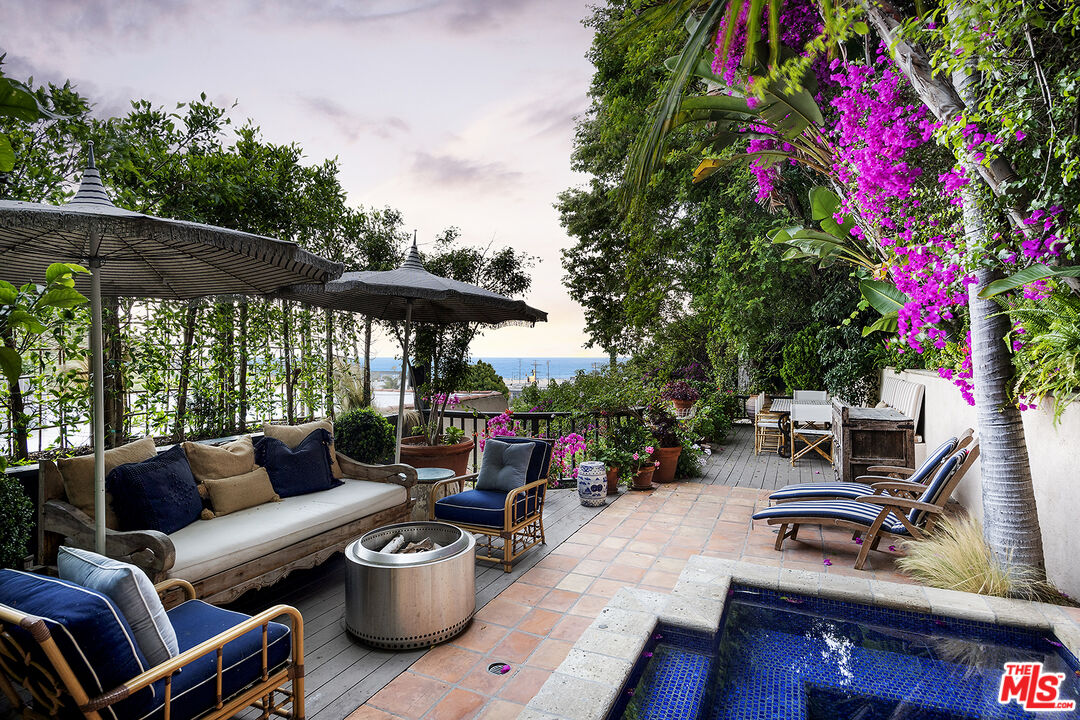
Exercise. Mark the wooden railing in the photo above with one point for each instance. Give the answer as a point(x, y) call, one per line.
point(588, 424)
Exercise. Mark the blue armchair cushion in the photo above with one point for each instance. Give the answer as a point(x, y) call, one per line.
point(194, 690)
point(90, 632)
point(298, 470)
point(156, 494)
point(133, 593)
point(484, 507)
point(505, 466)
point(540, 461)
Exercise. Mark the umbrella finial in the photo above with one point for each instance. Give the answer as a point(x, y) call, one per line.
point(412, 261)
point(91, 191)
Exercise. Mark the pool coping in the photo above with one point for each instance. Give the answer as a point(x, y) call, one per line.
point(587, 683)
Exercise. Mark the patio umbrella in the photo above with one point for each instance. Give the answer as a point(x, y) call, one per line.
point(135, 255)
point(411, 294)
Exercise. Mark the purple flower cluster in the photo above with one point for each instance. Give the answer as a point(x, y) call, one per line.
point(564, 452)
point(503, 425)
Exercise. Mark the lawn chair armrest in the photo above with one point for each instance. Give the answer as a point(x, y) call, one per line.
point(172, 665)
point(433, 494)
point(378, 473)
point(149, 550)
point(899, 485)
point(899, 503)
point(886, 469)
point(511, 498)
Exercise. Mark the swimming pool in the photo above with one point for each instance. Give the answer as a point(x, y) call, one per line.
point(782, 655)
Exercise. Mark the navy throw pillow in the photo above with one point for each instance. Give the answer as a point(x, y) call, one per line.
point(156, 494)
point(299, 470)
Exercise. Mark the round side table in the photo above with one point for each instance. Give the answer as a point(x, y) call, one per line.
point(425, 479)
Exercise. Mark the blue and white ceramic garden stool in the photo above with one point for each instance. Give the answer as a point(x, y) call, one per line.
point(592, 483)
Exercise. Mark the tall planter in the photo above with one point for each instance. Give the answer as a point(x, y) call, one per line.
point(669, 460)
point(452, 457)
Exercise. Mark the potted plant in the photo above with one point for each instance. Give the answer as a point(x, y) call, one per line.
point(614, 458)
point(364, 435)
point(433, 445)
point(641, 468)
point(681, 393)
point(664, 427)
point(629, 447)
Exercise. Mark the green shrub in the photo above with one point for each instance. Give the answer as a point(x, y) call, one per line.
point(16, 519)
point(482, 376)
point(715, 414)
point(802, 364)
point(364, 435)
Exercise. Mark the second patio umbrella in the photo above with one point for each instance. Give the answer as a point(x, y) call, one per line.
point(135, 255)
point(411, 294)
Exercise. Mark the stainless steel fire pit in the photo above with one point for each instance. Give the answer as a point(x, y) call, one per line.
point(403, 602)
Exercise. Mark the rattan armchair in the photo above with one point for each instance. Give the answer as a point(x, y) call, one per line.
point(31, 659)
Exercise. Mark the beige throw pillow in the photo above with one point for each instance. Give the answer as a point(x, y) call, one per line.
point(881, 404)
point(293, 435)
point(78, 475)
point(227, 495)
point(210, 462)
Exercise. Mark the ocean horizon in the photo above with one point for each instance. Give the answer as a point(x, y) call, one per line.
point(520, 368)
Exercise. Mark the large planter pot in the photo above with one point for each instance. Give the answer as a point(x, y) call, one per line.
point(452, 457)
point(643, 479)
point(669, 459)
point(591, 484)
point(682, 405)
point(613, 481)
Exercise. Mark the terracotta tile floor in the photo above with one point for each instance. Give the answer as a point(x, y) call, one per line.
point(640, 540)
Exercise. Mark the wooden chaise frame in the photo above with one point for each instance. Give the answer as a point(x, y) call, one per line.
point(49, 686)
point(889, 503)
point(62, 522)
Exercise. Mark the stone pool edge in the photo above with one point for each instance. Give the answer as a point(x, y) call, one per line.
point(586, 684)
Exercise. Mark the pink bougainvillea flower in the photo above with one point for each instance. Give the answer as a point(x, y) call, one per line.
point(826, 562)
point(892, 548)
point(858, 541)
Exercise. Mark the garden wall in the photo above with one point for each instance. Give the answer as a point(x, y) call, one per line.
point(1055, 465)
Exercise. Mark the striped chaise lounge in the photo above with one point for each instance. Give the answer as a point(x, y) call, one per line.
point(879, 482)
point(876, 516)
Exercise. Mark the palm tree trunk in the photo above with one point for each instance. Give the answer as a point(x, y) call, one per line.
point(1010, 517)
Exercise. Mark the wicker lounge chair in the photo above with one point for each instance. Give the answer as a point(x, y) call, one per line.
point(911, 484)
point(876, 516)
point(515, 517)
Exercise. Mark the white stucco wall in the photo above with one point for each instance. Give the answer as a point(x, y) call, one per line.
point(1054, 452)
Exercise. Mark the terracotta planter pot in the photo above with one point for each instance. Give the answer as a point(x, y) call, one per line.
point(452, 457)
point(683, 405)
point(613, 481)
point(643, 479)
point(669, 459)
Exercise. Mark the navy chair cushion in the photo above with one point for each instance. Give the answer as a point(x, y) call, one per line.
point(89, 631)
point(822, 491)
point(299, 470)
point(156, 494)
point(540, 462)
point(505, 466)
point(932, 494)
point(194, 690)
point(484, 507)
point(850, 510)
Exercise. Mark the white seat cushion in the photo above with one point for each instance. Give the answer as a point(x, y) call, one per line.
point(207, 547)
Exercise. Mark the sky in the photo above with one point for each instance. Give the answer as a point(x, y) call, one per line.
point(456, 112)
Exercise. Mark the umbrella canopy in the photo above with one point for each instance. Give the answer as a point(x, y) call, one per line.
point(412, 294)
point(145, 256)
point(388, 295)
point(135, 255)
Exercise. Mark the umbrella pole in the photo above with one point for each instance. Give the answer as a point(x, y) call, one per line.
point(98, 368)
point(401, 387)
